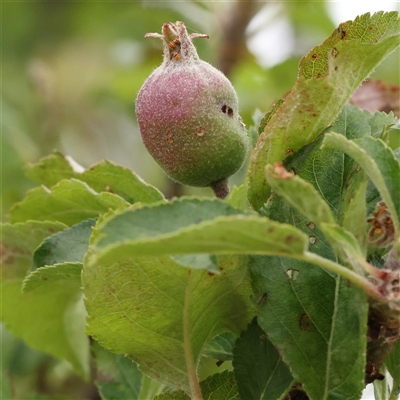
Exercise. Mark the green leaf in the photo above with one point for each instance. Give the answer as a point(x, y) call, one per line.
point(198, 261)
point(102, 177)
point(118, 377)
point(300, 194)
point(354, 220)
point(69, 202)
point(70, 245)
point(163, 218)
point(133, 233)
point(159, 313)
point(221, 347)
point(317, 321)
point(67, 271)
point(173, 395)
point(393, 366)
point(220, 386)
point(332, 173)
point(259, 370)
point(267, 117)
point(340, 183)
point(328, 76)
point(237, 198)
point(50, 318)
point(346, 247)
point(18, 243)
point(381, 389)
point(189, 226)
point(365, 29)
point(5, 390)
point(389, 167)
point(378, 162)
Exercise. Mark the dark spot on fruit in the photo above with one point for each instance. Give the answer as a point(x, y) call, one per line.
point(210, 273)
point(227, 110)
point(270, 229)
point(289, 151)
point(336, 68)
point(312, 239)
point(304, 322)
point(44, 278)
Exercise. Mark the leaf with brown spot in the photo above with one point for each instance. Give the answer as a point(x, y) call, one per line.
point(18, 244)
point(324, 85)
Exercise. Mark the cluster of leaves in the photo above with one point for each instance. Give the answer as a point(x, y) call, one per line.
point(176, 285)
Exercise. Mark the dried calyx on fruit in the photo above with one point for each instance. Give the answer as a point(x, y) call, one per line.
point(188, 116)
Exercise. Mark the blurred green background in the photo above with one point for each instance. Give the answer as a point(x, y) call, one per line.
point(70, 74)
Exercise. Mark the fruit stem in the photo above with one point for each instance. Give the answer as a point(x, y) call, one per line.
point(220, 188)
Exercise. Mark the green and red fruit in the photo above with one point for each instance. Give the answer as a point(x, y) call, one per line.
point(188, 115)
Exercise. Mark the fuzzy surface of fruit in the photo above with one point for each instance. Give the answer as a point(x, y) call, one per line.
point(188, 116)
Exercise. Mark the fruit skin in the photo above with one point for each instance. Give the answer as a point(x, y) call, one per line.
point(188, 117)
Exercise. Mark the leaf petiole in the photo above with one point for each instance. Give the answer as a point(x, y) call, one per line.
point(362, 282)
point(194, 383)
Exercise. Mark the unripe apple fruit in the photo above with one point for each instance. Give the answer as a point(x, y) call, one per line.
point(188, 115)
